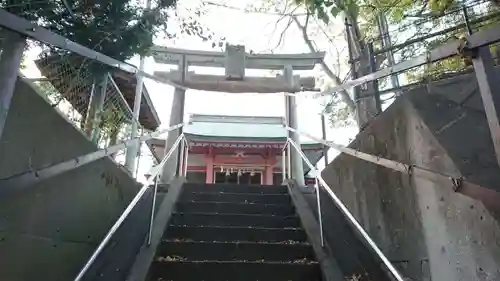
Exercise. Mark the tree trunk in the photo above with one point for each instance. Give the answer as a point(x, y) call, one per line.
point(366, 107)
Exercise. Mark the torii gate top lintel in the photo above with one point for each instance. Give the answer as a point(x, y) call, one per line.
point(303, 61)
point(235, 60)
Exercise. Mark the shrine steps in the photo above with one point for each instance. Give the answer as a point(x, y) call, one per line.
point(207, 196)
point(241, 233)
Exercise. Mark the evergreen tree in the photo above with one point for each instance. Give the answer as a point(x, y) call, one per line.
point(117, 28)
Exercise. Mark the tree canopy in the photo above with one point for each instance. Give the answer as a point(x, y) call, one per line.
point(117, 28)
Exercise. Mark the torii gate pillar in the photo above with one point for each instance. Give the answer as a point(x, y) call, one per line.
point(292, 121)
point(170, 168)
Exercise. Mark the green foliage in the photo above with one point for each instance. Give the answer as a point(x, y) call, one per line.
point(111, 121)
point(339, 115)
point(117, 28)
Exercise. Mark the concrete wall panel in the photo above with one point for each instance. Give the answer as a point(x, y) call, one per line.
point(424, 227)
point(50, 228)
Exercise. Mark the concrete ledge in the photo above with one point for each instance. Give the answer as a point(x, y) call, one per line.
point(329, 267)
point(146, 254)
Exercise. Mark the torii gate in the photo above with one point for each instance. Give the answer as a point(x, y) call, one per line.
point(235, 60)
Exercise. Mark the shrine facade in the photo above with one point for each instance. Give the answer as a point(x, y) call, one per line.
point(236, 149)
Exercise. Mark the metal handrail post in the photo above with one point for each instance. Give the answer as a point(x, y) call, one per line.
point(180, 165)
point(289, 160)
point(155, 190)
point(318, 201)
point(186, 156)
point(283, 167)
point(154, 173)
point(283, 161)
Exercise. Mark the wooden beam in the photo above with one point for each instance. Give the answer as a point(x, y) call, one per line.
point(253, 61)
point(217, 83)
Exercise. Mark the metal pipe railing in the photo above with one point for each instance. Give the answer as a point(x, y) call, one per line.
point(155, 171)
point(150, 232)
point(289, 161)
point(316, 173)
point(284, 158)
point(345, 211)
point(186, 155)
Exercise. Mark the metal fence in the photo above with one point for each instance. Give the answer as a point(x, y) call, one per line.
point(418, 35)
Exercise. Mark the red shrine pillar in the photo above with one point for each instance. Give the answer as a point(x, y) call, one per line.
point(268, 172)
point(268, 175)
point(209, 169)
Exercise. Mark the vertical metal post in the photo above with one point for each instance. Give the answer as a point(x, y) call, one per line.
point(466, 19)
point(489, 87)
point(386, 43)
point(283, 163)
point(10, 62)
point(150, 233)
point(180, 166)
point(138, 156)
point(354, 73)
point(487, 78)
point(318, 202)
point(186, 154)
point(323, 134)
point(289, 161)
point(96, 105)
point(374, 83)
point(132, 149)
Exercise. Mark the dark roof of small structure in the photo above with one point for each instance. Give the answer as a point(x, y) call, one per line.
point(70, 75)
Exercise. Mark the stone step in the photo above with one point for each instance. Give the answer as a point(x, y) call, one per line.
point(227, 233)
point(213, 219)
point(235, 197)
point(231, 188)
point(233, 270)
point(235, 208)
point(236, 251)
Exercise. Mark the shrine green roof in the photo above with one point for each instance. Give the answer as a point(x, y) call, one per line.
point(219, 126)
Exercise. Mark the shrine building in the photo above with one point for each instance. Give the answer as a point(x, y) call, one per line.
point(236, 149)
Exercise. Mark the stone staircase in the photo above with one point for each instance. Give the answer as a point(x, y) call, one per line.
point(230, 232)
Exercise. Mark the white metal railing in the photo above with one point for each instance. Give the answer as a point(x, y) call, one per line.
point(289, 143)
point(345, 211)
point(151, 181)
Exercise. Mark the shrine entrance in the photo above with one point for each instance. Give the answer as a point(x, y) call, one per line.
point(238, 178)
point(235, 61)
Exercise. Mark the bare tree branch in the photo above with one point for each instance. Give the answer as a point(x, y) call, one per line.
point(254, 12)
point(282, 34)
point(336, 80)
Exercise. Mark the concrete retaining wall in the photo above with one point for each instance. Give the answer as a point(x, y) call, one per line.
point(48, 230)
point(424, 227)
